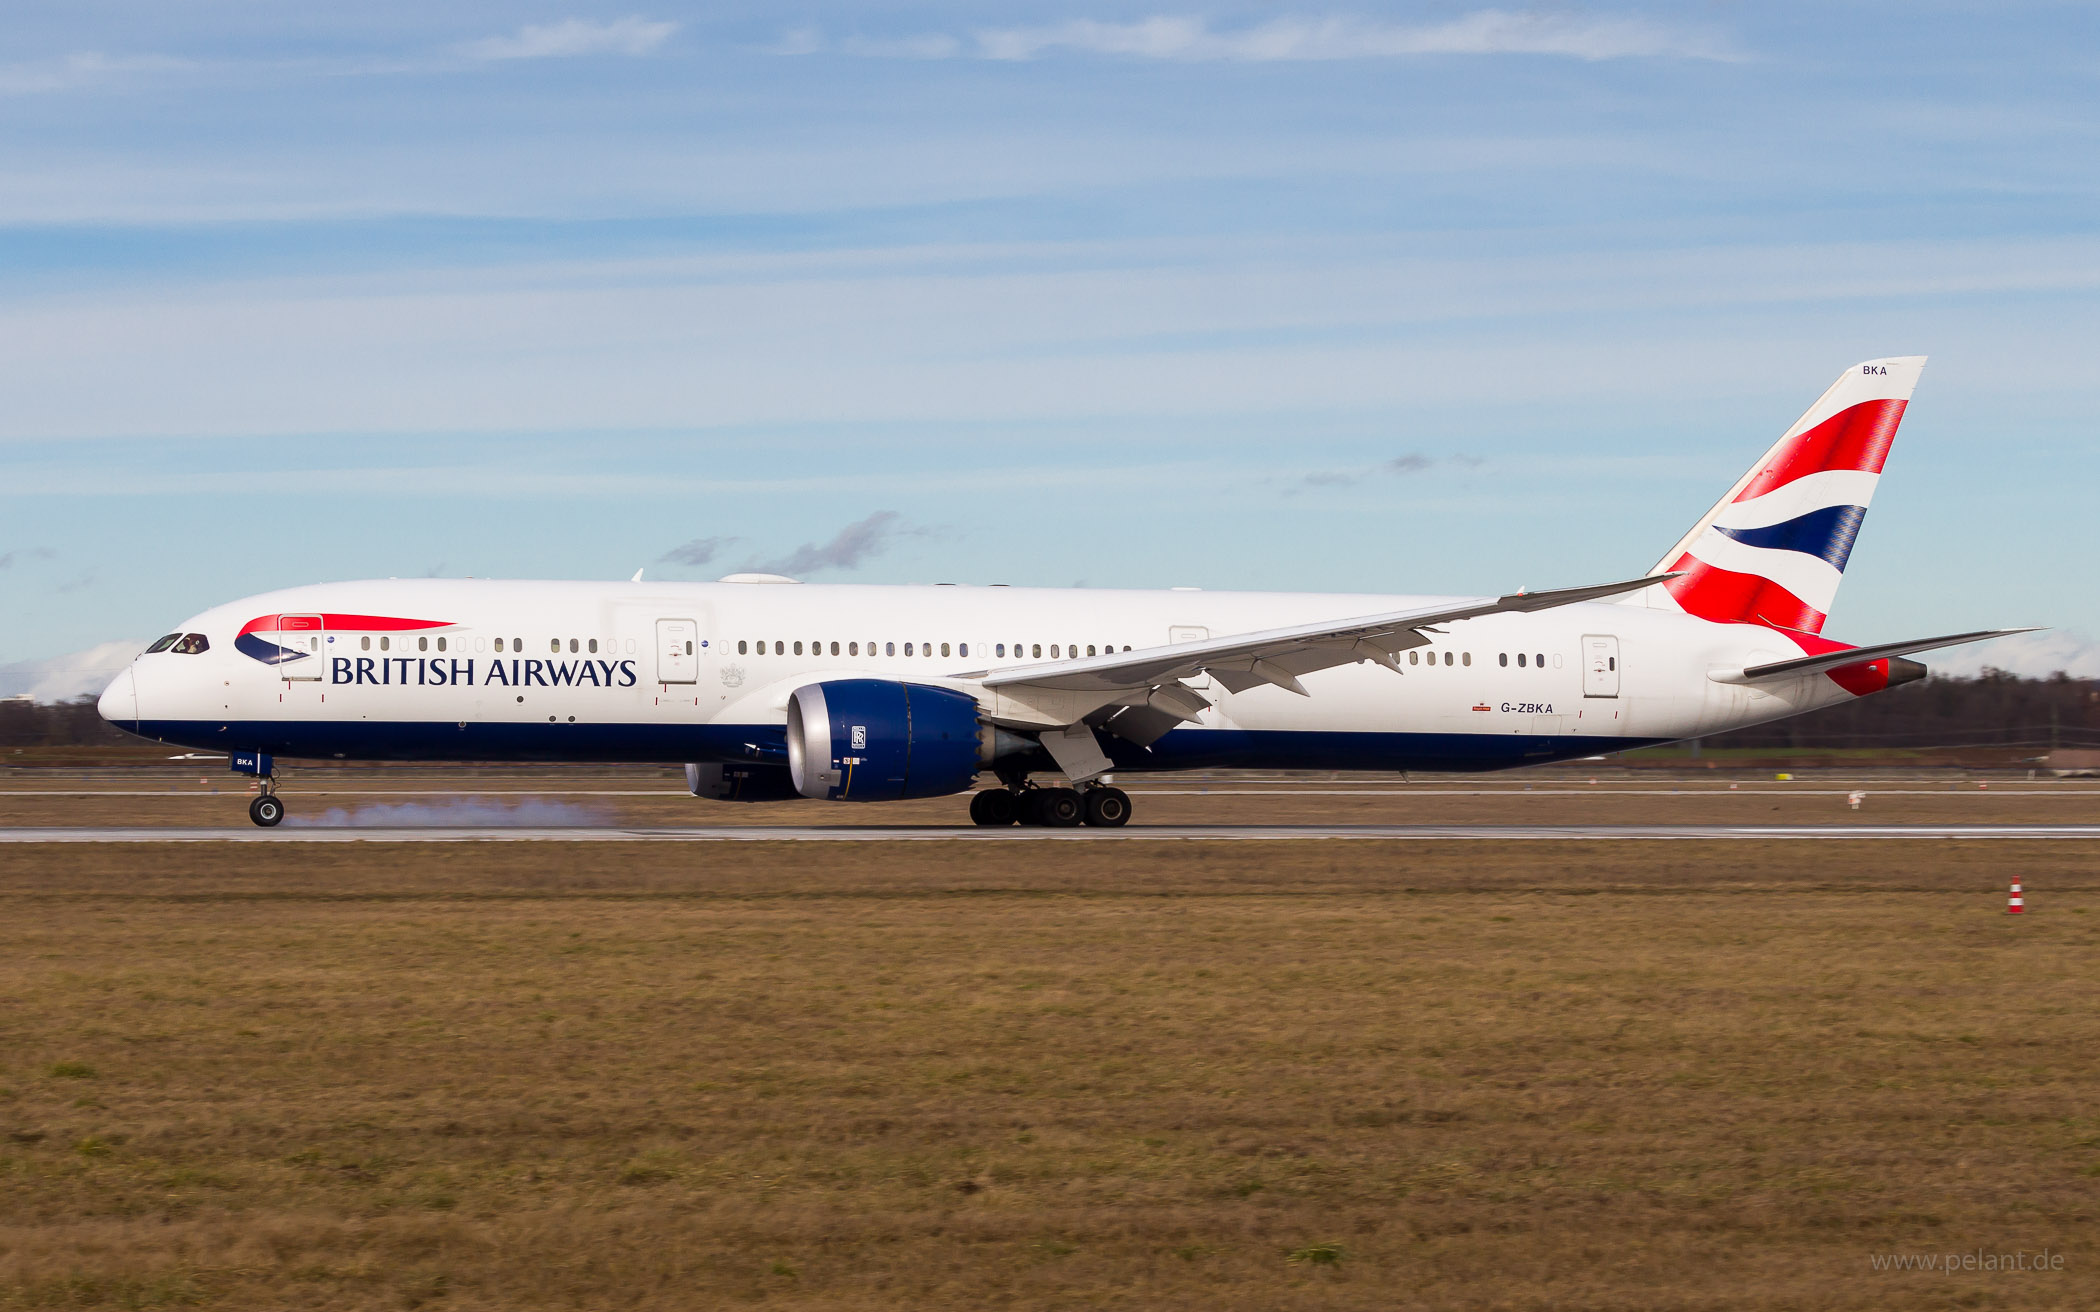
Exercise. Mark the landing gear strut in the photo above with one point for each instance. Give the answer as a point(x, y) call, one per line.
point(266, 810)
point(1052, 808)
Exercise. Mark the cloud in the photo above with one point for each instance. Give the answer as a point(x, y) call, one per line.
point(86, 68)
point(574, 36)
point(859, 541)
point(2032, 655)
point(1280, 40)
point(697, 552)
point(24, 555)
point(75, 674)
point(1411, 463)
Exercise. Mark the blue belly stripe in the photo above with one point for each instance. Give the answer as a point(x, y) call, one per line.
point(673, 744)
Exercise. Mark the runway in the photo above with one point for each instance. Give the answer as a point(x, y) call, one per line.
point(1138, 833)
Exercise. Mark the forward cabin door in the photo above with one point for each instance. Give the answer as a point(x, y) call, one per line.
point(306, 634)
point(1600, 665)
point(677, 652)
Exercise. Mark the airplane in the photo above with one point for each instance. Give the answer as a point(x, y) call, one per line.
point(767, 689)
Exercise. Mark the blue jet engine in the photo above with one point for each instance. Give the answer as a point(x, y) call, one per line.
point(879, 740)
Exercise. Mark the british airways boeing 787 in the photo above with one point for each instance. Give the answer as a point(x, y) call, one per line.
point(769, 690)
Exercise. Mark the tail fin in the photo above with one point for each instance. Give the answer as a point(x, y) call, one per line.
point(1773, 550)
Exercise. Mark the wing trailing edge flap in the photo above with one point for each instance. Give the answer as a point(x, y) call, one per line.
point(1831, 660)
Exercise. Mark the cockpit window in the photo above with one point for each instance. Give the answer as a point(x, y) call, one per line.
point(164, 643)
point(192, 644)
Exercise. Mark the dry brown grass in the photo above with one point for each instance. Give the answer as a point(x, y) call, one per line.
point(1532, 1075)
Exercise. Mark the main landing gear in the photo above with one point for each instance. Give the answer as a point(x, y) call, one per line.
point(1052, 808)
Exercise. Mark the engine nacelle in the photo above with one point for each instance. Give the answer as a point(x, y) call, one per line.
point(878, 740)
point(741, 783)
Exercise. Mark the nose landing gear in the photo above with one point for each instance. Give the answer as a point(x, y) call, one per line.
point(266, 810)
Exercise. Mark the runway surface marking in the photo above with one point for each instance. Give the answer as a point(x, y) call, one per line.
point(1142, 833)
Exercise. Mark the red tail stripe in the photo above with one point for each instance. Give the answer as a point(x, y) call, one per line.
point(353, 623)
point(1726, 597)
point(1857, 437)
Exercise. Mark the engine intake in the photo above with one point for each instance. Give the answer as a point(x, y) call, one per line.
point(879, 740)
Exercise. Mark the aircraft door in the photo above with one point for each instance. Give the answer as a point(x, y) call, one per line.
point(1190, 633)
point(1600, 665)
point(307, 635)
point(677, 651)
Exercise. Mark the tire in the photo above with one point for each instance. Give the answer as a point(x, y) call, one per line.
point(1060, 808)
point(992, 808)
point(266, 811)
point(1028, 807)
point(1107, 808)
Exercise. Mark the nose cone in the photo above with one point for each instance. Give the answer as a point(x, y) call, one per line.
point(120, 701)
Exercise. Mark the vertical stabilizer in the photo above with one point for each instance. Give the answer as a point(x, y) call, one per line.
point(1773, 550)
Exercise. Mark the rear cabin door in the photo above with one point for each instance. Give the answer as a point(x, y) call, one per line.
point(677, 651)
point(308, 636)
point(1600, 665)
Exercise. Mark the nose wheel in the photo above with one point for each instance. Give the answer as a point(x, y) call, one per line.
point(267, 810)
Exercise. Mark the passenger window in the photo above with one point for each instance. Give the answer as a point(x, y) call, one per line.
point(384, 643)
point(365, 643)
point(1414, 658)
point(594, 646)
point(798, 648)
point(889, 649)
point(779, 648)
point(1447, 658)
point(1090, 649)
point(441, 645)
point(1467, 658)
point(907, 649)
point(688, 648)
point(1038, 650)
point(743, 646)
point(1053, 651)
point(1520, 660)
point(517, 644)
point(963, 649)
point(1503, 658)
point(1539, 660)
point(834, 649)
point(1611, 662)
point(944, 649)
point(999, 650)
point(574, 646)
point(853, 649)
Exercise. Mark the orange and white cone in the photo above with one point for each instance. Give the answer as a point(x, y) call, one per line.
point(2012, 902)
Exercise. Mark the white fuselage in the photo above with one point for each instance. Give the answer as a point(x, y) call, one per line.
point(501, 670)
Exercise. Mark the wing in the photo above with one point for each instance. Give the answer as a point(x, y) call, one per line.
point(1244, 660)
point(1831, 660)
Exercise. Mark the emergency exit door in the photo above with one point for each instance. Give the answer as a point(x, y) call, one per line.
point(677, 651)
point(1600, 665)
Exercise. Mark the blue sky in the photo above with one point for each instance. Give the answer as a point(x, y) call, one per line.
point(1417, 297)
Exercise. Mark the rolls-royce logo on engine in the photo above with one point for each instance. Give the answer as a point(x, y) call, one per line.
point(860, 736)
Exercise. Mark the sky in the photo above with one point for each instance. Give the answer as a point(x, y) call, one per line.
point(1429, 297)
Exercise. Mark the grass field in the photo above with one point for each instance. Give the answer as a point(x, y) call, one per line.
point(1333, 1075)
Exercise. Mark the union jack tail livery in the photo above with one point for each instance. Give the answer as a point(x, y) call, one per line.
point(1773, 550)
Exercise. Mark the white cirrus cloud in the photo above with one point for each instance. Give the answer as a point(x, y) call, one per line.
point(88, 68)
point(574, 36)
point(1300, 39)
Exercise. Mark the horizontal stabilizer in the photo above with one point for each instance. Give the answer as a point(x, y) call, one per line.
point(1831, 660)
